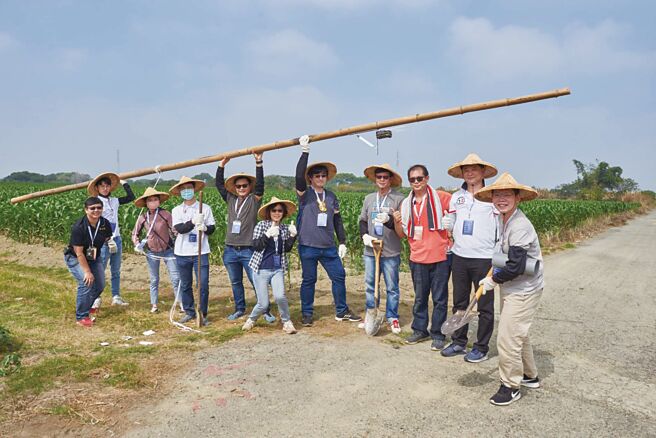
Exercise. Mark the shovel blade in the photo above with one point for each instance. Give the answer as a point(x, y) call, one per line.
point(372, 322)
point(457, 320)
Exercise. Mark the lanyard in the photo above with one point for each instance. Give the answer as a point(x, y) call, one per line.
point(93, 237)
point(151, 224)
point(421, 208)
point(379, 205)
point(471, 206)
point(319, 200)
point(241, 207)
point(187, 207)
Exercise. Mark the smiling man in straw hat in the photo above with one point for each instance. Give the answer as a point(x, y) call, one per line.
point(102, 186)
point(520, 292)
point(375, 224)
point(318, 220)
point(189, 222)
point(474, 230)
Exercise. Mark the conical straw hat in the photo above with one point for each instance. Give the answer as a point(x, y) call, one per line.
point(230, 182)
point(141, 200)
point(291, 207)
point(504, 182)
point(456, 170)
point(370, 173)
point(332, 170)
point(92, 190)
point(198, 185)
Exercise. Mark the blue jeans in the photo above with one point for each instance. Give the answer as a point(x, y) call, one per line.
point(114, 264)
point(187, 268)
point(310, 258)
point(389, 267)
point(262, 279)
point(153, 259)
point(86, 295)
point(236, 261)
point(431, 278)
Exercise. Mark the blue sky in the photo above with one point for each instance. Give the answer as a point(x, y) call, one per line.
point(168, 81)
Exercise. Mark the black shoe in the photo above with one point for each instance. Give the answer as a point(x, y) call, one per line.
point(533, 383)
point(438, 344)
point(306, 320)
point(185, 319)
point(417, 337)
point(347, 316)
point(505, 396)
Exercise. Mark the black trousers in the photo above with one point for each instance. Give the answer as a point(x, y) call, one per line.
point(465, 273)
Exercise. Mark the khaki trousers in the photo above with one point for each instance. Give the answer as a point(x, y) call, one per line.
point(515, 350)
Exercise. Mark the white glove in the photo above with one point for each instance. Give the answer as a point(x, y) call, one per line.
point(201, 228)
point(112, 246)
point(292, 230)
point(368, 239)
point(447, 221)
point(341, 251)
point(198, 219)
point(382, 218)
point(488, 284)
point(304, 141)
point(274, 231)
point(138, 249)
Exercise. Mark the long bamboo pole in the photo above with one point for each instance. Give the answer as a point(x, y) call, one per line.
point(314, 138)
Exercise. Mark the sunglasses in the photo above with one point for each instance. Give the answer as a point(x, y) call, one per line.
point(277, 210)
point(415, 179)
point(382, 176)
point(95, 208)
point(241, 186)
point(320, 175)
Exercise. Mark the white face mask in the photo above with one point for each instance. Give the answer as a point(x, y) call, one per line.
point(187, 194)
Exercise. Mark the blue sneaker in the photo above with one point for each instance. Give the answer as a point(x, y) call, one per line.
point(453, 350)
point(237, 314)
point(475, 356)
point(268, 317)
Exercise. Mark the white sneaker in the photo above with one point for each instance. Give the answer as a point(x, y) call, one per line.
point(97, 303)
point(249, 324)
point(395, 326)
point(118, 301)
point(288, 327)
point(154, 309)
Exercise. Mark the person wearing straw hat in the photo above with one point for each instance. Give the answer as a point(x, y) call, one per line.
point(102, 186)
point(375, 224)
point(243, 196)
point(473, 226)
point(520, 292)
point(189, 223)
point(158, 243)
point(318, 221)
point(272, 240)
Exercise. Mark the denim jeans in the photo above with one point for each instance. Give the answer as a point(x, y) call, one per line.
point(86, 295)
point(389, 267)
point(329, 259)
point(236, 260)
point(262, 279)
point(153, 259)
point(187, 268)
point(433, 279)
point(114, 264)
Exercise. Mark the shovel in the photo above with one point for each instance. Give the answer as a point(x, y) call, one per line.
point(374, 318)
point(461, 318)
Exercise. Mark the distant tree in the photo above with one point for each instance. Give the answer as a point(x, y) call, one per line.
point(596, 180)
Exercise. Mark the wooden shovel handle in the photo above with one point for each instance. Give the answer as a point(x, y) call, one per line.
point(479, 291)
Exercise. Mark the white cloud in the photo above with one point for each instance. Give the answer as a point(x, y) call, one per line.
point(7, 41)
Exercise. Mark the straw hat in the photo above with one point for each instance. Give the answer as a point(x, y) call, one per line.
point(198, 185)
point(141, 200)
point(370, 173)
point(504, 182)
point(230, 182)
point(92, 190)
point(291, 207)
point(456, 170)
point(332, 170)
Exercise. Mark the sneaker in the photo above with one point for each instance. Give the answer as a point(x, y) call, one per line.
point(249, 324)
point(85, 322)
point(93, 313)
point(205, 321)
point(453, 350)
point(533, 383)
point(395, 326)
point(437, 344)
point(348, 316)
point(505, 396)
point(306, 320)
point(185, 319)
point(117, 300)
point(154, 309)
point(96, 304)
point(475, 356)
point(417, 337)
point(268, 317)
point(236, 315)
point(288, 327)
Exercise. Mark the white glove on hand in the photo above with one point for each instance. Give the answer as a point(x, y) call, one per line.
point(201, 228)
point(488, 284)
point(382, 218)
point(341, 251)
point(304, 141)
point(367, 239)
point(198, 219)
point(448, 221)
point(292, 230)
point(274, 231)
point(112, 246)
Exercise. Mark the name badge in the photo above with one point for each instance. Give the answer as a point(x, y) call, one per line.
point(322, 220)
point(277, 262)
point(236, 227)
point(378, 229)
point(193, 238)
point(467, 227)
point(419, 233)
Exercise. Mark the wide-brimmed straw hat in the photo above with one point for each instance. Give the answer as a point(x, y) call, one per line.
point(230, 182)
point(505, 182)
point(92, 188)
point(141, 200)
point(456, 170)
point(370, 173)
point(291, 207)
point(332, 170)
point(198, 185)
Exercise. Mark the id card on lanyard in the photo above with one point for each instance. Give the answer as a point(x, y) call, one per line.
point(322, 217)
point(277, 262)
point(91, 251)
point(236, 224)
point(419, 230)
point(468, 224)
point(378, 226)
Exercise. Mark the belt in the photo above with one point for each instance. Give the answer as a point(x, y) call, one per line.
point(240, 246)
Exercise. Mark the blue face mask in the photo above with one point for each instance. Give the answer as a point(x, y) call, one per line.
point(187, 194)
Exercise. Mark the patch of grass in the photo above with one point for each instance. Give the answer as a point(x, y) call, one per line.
point(63, 410)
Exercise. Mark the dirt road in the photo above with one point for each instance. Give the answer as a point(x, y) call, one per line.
point(593, 337)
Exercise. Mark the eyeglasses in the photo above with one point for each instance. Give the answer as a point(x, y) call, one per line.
point(382, 176)
point(241, 186)
point(415, 179)
point(95, 208)
point(320, 175)
point(277, 210)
